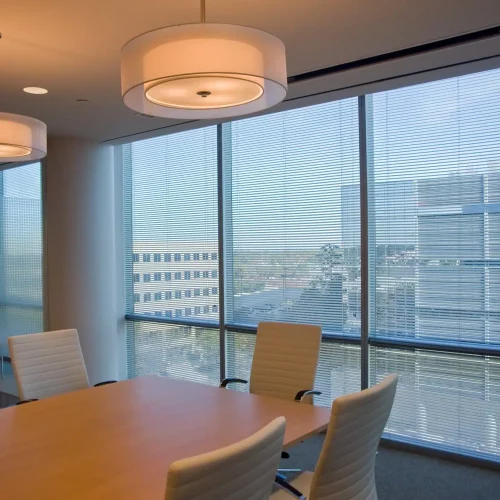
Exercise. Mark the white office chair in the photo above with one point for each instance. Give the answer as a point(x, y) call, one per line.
point(284, 362)
point(49, 363)
point(241, 471)
point(346, 465)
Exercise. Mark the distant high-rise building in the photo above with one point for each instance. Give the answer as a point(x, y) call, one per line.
point(435, 256)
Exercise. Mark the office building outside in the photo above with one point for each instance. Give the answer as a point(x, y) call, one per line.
point(175, 280)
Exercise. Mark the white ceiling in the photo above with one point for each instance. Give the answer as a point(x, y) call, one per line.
point(72, 47)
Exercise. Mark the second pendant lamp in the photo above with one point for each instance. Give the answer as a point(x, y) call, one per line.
point(22, 138)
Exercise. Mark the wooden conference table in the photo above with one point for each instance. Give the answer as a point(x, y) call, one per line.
point(117, 441)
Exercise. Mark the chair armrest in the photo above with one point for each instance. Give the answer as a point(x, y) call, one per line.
point(24, 401)
point(283, 485)
point(232, 380)
point(106, 382)
point(307, 392)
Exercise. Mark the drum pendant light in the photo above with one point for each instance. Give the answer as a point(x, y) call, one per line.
point(203, 70)
point(22, 138)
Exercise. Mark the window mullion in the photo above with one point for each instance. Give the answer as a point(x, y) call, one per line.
point(220, 230)
point(364, 251)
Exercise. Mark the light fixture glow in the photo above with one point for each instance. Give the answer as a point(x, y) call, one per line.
point(8, 151)
point(221, 91)
point(22, 138)
point(203, 70)
point(35, 90)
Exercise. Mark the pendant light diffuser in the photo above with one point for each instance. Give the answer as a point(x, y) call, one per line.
point(203, 70)
point(22, 138)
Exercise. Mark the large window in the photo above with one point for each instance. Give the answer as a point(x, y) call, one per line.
point(21, 250)
point(434, 177)
point(291, 254)
point(171, 209)
point(302, 200)
point(290, 251)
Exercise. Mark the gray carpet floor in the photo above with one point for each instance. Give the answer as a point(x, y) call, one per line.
point(401, 475)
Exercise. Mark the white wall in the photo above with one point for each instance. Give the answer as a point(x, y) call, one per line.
point(80, 249)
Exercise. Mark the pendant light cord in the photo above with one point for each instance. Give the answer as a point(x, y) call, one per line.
point(202, 8)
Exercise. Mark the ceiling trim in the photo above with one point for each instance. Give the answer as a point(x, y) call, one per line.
point(386, 75)
point(399, 54)
point(404, 77)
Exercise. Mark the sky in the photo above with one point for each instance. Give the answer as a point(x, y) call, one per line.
point(21, 246)
point(22, 182)
point(22, 210)
point(288, 168)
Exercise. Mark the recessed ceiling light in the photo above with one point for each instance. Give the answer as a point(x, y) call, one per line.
point(35, 90)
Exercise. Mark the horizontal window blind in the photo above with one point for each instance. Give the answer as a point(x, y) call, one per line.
point(291, 222)
point(239, 356)
point(292, 252)
point(170, 205)
point(21, 252)
point(443, 400)
point(182, 352)
point(338, 367)
point(434, 191)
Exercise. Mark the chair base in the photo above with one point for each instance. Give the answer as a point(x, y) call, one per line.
point(301, 483)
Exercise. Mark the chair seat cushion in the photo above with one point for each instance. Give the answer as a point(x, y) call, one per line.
point(302, 483)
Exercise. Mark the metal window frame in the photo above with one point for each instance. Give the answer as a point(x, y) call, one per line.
point(364, 243)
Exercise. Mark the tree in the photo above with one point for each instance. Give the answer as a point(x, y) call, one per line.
point(324, 297)
point(329, 259)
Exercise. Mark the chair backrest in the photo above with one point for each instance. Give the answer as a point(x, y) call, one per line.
point(244, 470)
point(48, 363)
point(346, 465)
point(285, 359)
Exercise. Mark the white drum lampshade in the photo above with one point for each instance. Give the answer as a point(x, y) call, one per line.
point(203, 70)
point(22, 138)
